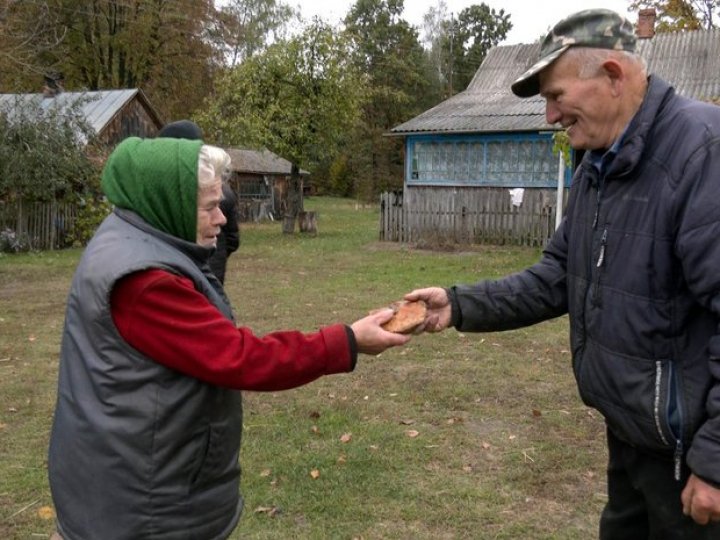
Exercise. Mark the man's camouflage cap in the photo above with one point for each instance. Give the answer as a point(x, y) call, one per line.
point(599, 28)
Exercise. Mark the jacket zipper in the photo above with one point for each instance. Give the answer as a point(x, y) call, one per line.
point(678, 453)
point(597, 300)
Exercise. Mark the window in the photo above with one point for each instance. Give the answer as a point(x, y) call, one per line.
point(524, 160)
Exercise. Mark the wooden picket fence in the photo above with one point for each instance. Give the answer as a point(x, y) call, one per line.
point(39, 225)
point(440, 215)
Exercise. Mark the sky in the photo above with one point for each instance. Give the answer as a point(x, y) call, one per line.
point(531, 18)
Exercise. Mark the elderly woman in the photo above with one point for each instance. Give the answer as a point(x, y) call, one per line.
point(148, 422)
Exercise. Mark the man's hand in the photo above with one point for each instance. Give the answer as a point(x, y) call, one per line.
point(701, 501)
point(372, 338)
point(438, 307)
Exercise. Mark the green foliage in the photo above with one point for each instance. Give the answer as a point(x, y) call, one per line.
point(561, 143)
point(478, 29)
point(42, 152)
point(246, 27)
point(91, 211)
point(458, 47)
point(296, 98)
point(401, 85)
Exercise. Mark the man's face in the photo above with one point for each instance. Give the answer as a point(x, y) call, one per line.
point(586, 108)
point(209, 217)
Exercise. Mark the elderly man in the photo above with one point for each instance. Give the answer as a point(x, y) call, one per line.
point(635, 264)
point(146, 432)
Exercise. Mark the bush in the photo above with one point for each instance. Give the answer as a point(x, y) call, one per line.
point(11, 242)
point(92, 211)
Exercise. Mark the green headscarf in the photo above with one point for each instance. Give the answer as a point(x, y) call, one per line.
point(157, 179)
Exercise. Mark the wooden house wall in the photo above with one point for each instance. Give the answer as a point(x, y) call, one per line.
point(133, 120)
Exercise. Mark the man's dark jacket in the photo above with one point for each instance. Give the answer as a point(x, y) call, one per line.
point(229, 238)
point(636, 264)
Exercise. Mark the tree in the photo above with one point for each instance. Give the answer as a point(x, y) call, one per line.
point(248, 26)
point(435, 29)
point(386, 48)
point(679, 15)
point(467, 41)
point(296, 98)
point(160, 46)
point(43, 152)
point(26, 33)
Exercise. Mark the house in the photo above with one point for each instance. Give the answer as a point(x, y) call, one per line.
point(112, 114)
point(260, 179)
point(480, 167)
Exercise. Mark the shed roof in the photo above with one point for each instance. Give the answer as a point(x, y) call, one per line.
point(97, 107)
point(259, 161)
point(688, 60)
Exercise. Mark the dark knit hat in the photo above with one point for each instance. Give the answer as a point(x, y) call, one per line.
point(598, 28)
point(156, 179)
point(182, 129)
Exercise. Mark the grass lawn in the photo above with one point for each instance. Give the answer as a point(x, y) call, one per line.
point(478, 436)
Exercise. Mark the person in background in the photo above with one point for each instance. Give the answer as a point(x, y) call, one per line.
point(228, 240)
point(635, 265)
point(147, 426)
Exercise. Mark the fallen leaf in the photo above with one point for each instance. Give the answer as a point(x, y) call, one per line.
point(46, 513)
point(315, 474)
point(486, 445)
point(407, 422)
point(341, 458)
point(269, 510)
point(315, 415)
point(265, 473)
point(32, 338)
point(467, 468)
point(412, 433)
point(346, 437)
point(536, 412)
point(512, 437)
point(315, 430)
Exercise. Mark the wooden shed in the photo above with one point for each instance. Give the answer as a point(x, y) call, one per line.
point(113, 114)
point(480, 167)
point(260, 179)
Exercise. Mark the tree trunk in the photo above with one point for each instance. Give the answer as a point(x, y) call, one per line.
point(294, 200)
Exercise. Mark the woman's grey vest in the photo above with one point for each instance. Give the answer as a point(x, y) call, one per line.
point(138, 450)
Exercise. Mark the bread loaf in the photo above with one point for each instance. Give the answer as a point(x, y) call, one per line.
point(408, 316)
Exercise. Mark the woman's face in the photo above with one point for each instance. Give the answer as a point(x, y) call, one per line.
point(209, 217)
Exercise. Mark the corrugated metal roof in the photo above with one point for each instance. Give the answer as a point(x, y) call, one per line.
point(688, 60)
point(98, 107)
point(259, 161)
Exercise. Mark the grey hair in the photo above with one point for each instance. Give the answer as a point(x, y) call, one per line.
point(213, 165)
point(590, 59)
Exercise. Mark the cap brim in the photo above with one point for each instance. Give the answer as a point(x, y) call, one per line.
point(528, 84)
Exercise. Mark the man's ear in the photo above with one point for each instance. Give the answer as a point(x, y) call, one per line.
point(615, 72)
